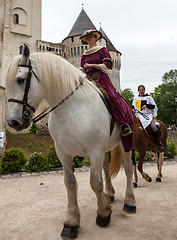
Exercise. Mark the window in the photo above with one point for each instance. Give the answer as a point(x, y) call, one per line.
point(74, 51)
point(19, 16)
point(21, 49)
point(72, 39)
point(78, 51)
point(16, 18)
point(82, 49)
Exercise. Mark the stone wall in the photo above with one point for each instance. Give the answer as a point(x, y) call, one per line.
point(2, 117)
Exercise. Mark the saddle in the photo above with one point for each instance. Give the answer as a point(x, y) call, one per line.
point(106, 101)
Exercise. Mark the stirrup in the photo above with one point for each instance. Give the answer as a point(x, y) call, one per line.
point(125, 130)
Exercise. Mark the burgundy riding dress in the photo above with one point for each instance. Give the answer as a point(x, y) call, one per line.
point(121, 110)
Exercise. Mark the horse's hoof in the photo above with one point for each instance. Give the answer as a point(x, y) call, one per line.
point(129, 209)
point(158, 179)
point(103, 221)
point(135, 185)
point(149, 179)
point(69, 232)
point(111, 198)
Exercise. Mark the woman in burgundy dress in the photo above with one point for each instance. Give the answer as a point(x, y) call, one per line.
point(97, 64)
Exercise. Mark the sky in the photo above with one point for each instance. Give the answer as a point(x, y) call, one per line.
point(144, 31)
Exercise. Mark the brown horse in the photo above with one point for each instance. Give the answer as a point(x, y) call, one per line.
point(142, 144)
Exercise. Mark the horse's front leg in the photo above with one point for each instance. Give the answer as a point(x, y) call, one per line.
point(140, 167)
point(96, 182)
point(72, 222)
point(129, 202)
point(159, 161)
point(135, 184)
point(109, 189)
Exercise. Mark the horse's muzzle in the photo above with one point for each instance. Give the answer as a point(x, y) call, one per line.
point(17, 125)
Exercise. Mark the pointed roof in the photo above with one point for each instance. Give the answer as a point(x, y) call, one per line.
point(82, 24)
point(109, 44)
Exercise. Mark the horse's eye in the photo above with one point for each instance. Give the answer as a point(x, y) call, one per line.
point(20, 80)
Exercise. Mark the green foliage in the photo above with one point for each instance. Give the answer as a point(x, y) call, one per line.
point(85, 161)
point(36, 163)
point(128, 95)
point(170, 150)
point(33, 128)
point(165, 96)
point(12, 160)
point(136, 156)
point(148, 157)
point(77, 161)
point(53, 160)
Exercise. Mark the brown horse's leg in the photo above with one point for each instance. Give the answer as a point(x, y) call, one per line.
point(159, 161)
point(140, 166)
point(109, 190)
point(134, 170)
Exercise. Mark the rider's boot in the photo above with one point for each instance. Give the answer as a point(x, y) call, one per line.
point(157, 135)
point(125, 130)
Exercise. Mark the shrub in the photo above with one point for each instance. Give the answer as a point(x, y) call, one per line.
point(85, 161)
point(12, 160)
point(170, 150)
point(77, 161)
point(36, 163)
point(53, 160)
point(33, 128)
point(149, 157)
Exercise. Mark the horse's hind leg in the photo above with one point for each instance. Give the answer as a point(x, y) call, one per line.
point(129, 202)
point(159, 161)
point(109, 189)
point(96, 182)
point(135, 184)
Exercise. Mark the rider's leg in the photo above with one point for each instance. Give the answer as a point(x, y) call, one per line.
point(157, 133)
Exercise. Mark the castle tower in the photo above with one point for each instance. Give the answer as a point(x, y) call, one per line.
point(74, 48)
point(116, 58)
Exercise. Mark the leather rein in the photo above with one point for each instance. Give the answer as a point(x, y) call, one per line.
point(26, 114)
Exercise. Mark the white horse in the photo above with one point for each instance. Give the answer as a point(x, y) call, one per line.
point(79, 124)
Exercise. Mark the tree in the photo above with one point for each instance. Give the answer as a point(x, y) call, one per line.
point(128, 95)
point(165, 96)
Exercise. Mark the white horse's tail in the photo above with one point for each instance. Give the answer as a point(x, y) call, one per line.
point(116, 161)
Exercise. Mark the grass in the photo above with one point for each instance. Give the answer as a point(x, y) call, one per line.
point(29, 142)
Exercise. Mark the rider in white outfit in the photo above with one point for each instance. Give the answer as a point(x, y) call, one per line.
point(145, 109)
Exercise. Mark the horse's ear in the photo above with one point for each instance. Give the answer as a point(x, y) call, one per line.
point(26, 53)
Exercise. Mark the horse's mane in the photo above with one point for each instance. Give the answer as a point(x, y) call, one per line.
point(54, 71)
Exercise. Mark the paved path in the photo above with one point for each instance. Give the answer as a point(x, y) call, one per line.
point(33, 207)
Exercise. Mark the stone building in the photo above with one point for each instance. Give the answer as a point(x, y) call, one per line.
point(20, 22)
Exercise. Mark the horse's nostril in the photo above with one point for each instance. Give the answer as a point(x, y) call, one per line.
point(15, 124)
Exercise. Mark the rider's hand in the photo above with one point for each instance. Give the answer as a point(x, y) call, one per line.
point(143, 107)
point(86, 65)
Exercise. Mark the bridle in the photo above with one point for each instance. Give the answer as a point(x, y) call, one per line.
point(26, 114)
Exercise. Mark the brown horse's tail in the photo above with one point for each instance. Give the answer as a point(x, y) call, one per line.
point(116, 161)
